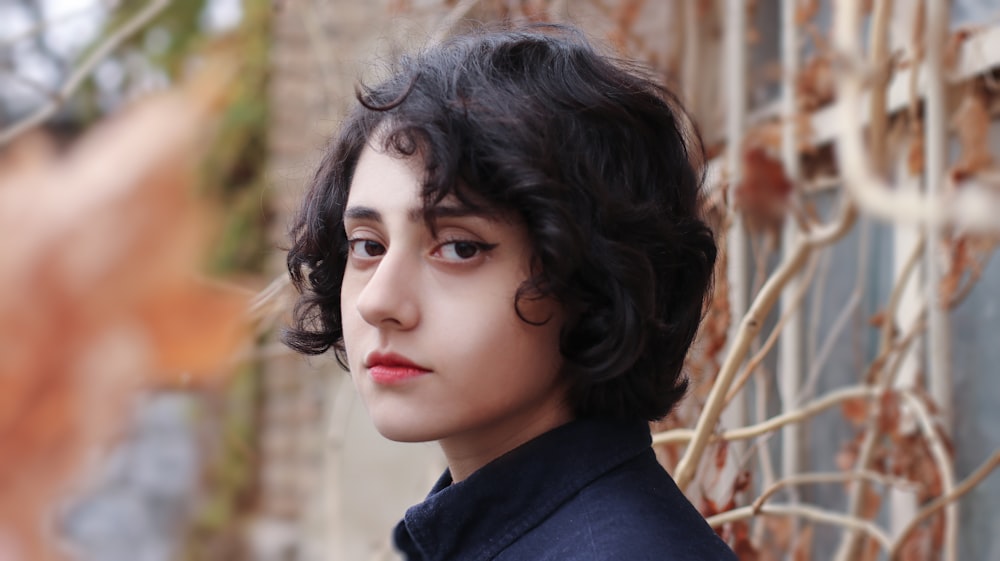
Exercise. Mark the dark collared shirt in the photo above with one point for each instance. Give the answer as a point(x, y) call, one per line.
point(586, 491)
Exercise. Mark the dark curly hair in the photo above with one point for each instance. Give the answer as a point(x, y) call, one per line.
point(599, 163)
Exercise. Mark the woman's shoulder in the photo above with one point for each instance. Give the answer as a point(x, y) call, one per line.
point(633, 512)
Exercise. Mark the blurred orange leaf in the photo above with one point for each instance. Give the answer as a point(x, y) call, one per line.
point(763, 191)
point(971, 123)
point(99, 296)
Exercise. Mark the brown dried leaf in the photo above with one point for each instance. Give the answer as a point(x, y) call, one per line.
point(805, 11)
point(89, 247)
point(763, 192)
point(742, 482)
point(953, 48)
point(396, 7)
point(960, 263)
point(709, 508)
point(803, 544)
point(742, 544)
point(780, 532)
point(889, 413)
point(871, 502)
point(971, 122)
point(195, 327)
point(917, 546)
point(855, 410)
point(869, 550)
point(877, 319)
point(534, 10)
point(721, 454)
point(915, 154)
point(847, 456)
point(815, 84)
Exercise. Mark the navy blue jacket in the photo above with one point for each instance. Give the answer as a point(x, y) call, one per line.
point(586, 491)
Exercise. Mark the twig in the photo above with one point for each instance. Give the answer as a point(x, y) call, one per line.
point(827, 477)
point(945, 471)
point(818, 360)
point(772, 338)
point(970, 283)
point(137, 22)
point(901, 346)
point(816, 305)
point(896, 295)
point(806, 411)
point(748, 329)
point(767, 473)
point(804, 511)
point(946, 499)
point(973, 209)
point(265, 298)
point(40, 28)
point(847, 548)
point(29, 83)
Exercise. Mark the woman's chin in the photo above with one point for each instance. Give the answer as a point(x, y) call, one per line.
point(401, 431)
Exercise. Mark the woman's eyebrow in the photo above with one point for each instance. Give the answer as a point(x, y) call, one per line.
point(418, 214)
point(362, 213)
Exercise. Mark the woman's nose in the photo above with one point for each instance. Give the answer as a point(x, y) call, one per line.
point(388, 299)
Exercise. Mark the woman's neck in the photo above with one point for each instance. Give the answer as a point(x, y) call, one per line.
point(470, 451)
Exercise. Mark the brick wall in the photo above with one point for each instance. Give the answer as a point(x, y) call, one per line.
point(330, 487)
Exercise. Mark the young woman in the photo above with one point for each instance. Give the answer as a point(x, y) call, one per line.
point(503, 247)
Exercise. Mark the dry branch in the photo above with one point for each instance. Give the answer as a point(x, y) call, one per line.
point(888, 315)
point(827, 477)
point(772, 338)
point(974, 208)
point(937, 504)
point(806, 411)
point(748, 330)
point(804, 511)
point(818, 360)
point(73, 82)
point(945, 472)
point(44, 26)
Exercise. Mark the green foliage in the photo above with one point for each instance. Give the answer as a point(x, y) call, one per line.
point(171, 39)
point(233, 171)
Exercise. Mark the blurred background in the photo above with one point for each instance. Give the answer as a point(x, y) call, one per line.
point(152, 153)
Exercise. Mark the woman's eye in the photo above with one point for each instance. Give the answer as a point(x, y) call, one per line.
point(462, 250)
point(365, 248)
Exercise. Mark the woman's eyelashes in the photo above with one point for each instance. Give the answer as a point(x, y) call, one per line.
point(364, 249)
point(458, 251)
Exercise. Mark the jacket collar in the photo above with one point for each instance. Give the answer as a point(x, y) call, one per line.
point(478, 517)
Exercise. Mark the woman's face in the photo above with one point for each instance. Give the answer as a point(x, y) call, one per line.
point(435, 346)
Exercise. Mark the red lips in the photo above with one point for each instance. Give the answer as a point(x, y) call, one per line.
point(391, 368)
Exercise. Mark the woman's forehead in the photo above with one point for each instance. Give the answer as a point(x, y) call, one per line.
point(383, 178)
